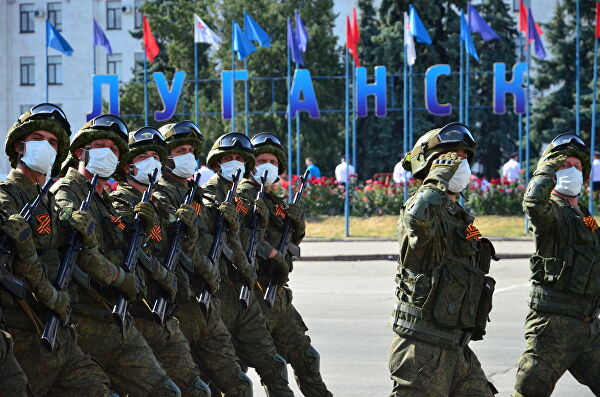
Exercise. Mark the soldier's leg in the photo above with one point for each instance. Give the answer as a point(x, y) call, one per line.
point(67, 371)
point(173, 351)
point(256, 348)
point(13, 381)
point(125, 356)
point(548, 354)
point(291, 341)
point(587, 367)
point(417, 369)
point(211, 345)
point(469, 378)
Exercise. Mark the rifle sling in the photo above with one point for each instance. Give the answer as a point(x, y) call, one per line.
point(32, 316)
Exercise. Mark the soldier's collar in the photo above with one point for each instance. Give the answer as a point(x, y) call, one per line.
point(22, 180)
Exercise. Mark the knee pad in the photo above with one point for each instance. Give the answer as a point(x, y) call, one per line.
point(281, 365)
point(200, 389)
point(169, 388)
point(114, 395)
point(312, 359)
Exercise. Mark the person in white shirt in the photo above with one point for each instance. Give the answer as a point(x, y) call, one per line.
point(205, 172)
point(341, 175)
point(596, 177)
point(512, 169)
point(399, 173)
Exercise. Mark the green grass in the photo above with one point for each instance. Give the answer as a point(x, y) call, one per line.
point(385, 226)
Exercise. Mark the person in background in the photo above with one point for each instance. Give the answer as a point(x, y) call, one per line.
point(205, 172)
point(313, 170)
point(512, 169)
point(399, 174)
point(341, 175)
point(596, 178)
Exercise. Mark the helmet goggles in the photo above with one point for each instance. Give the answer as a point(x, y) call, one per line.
point(266, 138)
point(45, 111)
point(109, 122)
point(568, 139)
point(233, 139)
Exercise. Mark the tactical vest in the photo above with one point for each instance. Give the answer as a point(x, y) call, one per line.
point(449, 305)
point(568, 282)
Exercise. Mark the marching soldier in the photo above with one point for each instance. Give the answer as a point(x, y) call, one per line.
point(36, 145)
point(562, 327)
point(209, 338)
point(147, 152)
point(14, 380)
point(98, 148)
point(283, 320)
point(254, 346)
point(444, 295)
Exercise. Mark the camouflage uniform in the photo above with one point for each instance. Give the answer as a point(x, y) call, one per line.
point(13, 379)
point(167, 341)
point(443, 294)
point(562, 327)
point(209, 338)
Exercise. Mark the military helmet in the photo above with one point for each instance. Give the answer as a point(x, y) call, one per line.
point(182, 133)
point(231, 143)
point(42, 117)
point(142, 140)
point(452, 136)
point(573, 146)
point(266, 142)
point(106, 126)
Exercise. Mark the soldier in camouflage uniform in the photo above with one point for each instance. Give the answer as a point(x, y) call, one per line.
point(443, 294)
point(148, 151)
point(37, 142)
point(253, 344)
point(283, 320)
point(209, 338)
point(562, 327)
point(99, 147)
point(13, 381)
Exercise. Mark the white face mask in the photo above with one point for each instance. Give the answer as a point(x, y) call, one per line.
point(102, 161)
point(185, 165)
point(229, 168)
point(145, 168)
point(461, 178)
point(569, 181)
point(272, 173)
point(39, 156)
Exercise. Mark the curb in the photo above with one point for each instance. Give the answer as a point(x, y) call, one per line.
point(383, 257)
point(385, 239)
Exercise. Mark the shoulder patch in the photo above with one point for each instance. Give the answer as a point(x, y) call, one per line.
point(240, 206)
point(43, 224)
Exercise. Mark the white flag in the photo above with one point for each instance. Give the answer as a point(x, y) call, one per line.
point(409, 42)
point(202, 33)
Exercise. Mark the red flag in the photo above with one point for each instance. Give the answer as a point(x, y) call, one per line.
point(353, 36)
point(150, 45)
point(349, 34)
point(523, 21)
point(597, 35)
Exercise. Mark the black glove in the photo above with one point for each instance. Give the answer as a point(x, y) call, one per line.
point(19, 232)
point(231, 216)
point(279, 268)
point(83, 223)
point(60, 304)
point(147, 214)
point(128, 284)
point(262, 211)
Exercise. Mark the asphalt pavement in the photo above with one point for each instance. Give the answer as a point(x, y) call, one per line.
point(346, 305)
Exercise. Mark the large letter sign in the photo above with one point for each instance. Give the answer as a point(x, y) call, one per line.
point(169, 97)
point(377, 89)
point(98, 80)
point(226, 88)
point(514, 87)
point(431, 103)
point(302, 85)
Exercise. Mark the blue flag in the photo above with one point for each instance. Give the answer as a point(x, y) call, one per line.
point(301, 34)
point(100, 38)
point(465, 35)
point(292, 43)
point(254, 32)
point(417, 29)
point(478, 25)
point(532, 34)
point(241, 44)
point(56, 41)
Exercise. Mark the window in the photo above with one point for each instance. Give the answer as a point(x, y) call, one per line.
point(139, 58)
point(113, 64)
point(27, 71)
point(138, 14)
point(113, 15)
point(26, 17)
point(55, 15)
point(55, 70)
point(24, 109)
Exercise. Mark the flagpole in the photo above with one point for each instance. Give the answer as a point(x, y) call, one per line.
point(347, 150)
point(145, 88)
point(232, 77)
point(47, 74)
point(405, 119)
point(94, 52)
point(460, 81)
point(354, 106)
point(289, 125)
point(520, 142)
point(467, 81)
point(246, 96)
point(298, 151)
point(577, 65)
point(527, 129)
point(593, 132)
point(410, 107)
point(196, 83)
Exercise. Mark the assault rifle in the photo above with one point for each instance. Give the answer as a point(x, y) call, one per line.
point(219, 247)
point(67, 270)
point(133, 250)
point(160, 306)
point(13, 285)
point(285, 244)
point(251, 252)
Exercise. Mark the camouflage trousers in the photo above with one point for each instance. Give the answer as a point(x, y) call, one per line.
point(556, 344)
point(212, 347)
point(289, 334)
point(67, 371)
point(253, 343)
point(13, 382)
point(174, 353)
point(125, 357)
point(420, 369)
